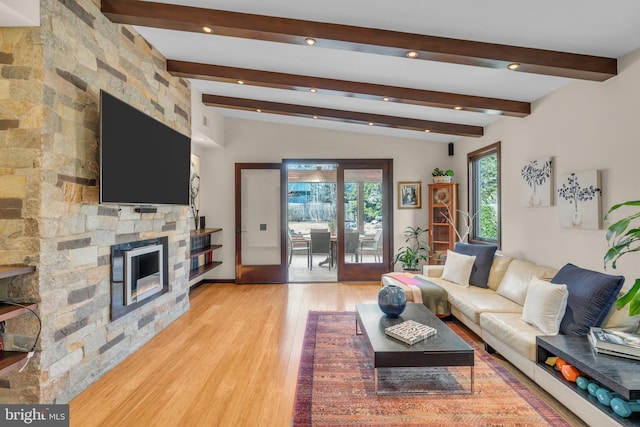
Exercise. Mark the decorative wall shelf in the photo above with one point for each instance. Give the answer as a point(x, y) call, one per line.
point(201, 252)
point(13, 360)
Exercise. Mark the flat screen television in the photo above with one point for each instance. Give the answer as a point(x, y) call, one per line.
point(142, 161)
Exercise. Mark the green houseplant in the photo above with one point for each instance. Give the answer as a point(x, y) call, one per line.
point(624, 238)
point(441, 176)
point(415, 250)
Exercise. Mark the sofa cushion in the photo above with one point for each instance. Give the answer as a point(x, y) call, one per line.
point(473, 301)
point(516, 279)
point(512, 331)
point(591, 295)
point(457, 268)
point(545, 305)
point(482, 265)
point(498, 268)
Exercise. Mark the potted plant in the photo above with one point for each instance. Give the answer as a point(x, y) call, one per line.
point(623, 240)
point(415, 251)
point(440, 176)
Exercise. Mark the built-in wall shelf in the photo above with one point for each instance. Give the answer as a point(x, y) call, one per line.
point(13, 360)
point(8, 311)
point(201, 252)
point(7, 271)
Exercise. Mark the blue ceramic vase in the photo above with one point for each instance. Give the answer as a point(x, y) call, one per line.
point(392, 300)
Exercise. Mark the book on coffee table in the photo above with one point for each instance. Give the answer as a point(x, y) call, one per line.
point(621, 343)
point(410, 331)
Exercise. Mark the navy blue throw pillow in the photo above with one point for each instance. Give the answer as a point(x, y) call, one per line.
point(591, 295)
point(482, 265)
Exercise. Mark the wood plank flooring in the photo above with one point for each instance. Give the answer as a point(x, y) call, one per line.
point(231, 360)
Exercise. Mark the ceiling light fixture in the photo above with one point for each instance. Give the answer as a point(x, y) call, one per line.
point(258, 110)
point(315, 117)
point(310, 41)
point(240, 82)
point(385, 99)
point(370, 123)
point(427, 130)
point(313, 90)
point(412, 54)
point(207, 29)
point(457, 107)
point(513, 66)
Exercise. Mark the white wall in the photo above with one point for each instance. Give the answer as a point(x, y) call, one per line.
point(585, 125)
point(253, 142)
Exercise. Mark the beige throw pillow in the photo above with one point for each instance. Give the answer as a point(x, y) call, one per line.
point(457, 268)
point(545, 305)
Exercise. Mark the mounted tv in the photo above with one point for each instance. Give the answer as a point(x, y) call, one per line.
point(142, 161)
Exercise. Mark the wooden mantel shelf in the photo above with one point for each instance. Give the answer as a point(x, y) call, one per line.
point(7, 271)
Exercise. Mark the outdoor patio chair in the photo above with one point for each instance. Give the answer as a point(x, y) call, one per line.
point(372, 246)
point(299, 246)
point(321, 244)
point(351, 239)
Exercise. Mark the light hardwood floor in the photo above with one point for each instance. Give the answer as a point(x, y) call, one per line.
point(231, 360)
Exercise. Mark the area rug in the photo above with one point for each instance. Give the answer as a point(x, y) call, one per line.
point(336, 387)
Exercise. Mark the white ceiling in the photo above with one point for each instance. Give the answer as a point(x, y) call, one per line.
point(591, 27)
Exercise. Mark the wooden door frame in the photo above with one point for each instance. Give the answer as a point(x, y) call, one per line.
point(260, 273)
point(365, 271)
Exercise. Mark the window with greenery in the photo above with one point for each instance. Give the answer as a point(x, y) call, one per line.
point(484, 194)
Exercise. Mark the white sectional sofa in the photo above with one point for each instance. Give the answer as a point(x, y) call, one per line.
point(495, 314)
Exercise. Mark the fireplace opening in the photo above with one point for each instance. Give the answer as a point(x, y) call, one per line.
point(143, 273)
point(139, 274)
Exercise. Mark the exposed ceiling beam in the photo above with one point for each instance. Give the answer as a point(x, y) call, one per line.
point(346, 37)
point(346, 88)
point(341, 115)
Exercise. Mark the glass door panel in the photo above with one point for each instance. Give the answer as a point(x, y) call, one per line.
point(363, 250)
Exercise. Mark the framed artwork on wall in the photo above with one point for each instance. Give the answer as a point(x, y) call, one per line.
point(537, 182)
point(410, 195)
point(579, 200)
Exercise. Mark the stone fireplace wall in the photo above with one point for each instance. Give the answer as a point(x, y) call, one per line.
point(50, 84)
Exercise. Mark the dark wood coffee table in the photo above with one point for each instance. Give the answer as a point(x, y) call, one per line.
point(445, 348)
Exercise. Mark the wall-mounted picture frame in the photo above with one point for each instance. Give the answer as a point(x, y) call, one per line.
point(579, 200)
point(410, 195)
point(537, 182)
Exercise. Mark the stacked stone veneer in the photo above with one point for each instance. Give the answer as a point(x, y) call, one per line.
point(50, 217)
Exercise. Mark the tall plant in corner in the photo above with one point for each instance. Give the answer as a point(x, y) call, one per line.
point(415, 251)
point(624, 238)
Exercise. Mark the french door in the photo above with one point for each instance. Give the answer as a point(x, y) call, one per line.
point(260, 221)
point(365, 219)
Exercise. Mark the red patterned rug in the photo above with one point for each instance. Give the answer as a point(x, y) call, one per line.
point(336, 387)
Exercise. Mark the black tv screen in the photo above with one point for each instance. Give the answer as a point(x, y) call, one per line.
point(142, 161)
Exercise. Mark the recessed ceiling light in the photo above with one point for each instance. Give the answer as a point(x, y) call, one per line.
point(370, 123)
point(315, 117)
point(457, 107)
point(313, 90)
point(412, 54)
point(207, 29)
point(427, 130)
point(385, 99)
point(310, 41)
point(513, 66)
point(240, 82)
point(258, 110)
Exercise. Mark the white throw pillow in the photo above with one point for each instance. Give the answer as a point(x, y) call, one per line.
point(457, 268)
point(545, 305)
